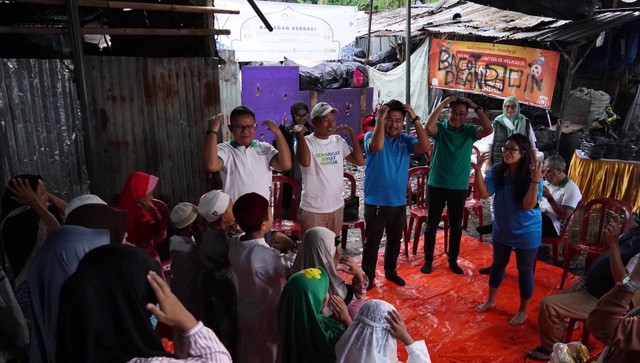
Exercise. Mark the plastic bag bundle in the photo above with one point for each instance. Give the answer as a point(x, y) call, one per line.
point(574, 352)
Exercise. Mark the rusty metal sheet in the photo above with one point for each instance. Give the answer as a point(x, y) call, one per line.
point(41, 130)
point(151, 115)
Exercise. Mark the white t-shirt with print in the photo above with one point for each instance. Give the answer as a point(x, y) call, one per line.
point(322, 180)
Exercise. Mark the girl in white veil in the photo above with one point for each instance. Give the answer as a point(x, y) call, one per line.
point(371, 338)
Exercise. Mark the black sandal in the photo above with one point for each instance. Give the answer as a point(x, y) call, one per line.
point(539, 354)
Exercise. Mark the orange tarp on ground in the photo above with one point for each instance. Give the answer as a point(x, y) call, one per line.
point(439, 307)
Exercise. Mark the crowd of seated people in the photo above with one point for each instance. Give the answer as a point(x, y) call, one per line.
point(83, 282)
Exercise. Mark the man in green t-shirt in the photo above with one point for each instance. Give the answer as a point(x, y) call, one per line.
point(449, 175)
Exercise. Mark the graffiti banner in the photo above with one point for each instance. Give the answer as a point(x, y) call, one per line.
point(496, 70)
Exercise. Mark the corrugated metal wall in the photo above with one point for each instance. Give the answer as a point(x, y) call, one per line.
point(40, 125)
point(151, 115)
point(230, 87)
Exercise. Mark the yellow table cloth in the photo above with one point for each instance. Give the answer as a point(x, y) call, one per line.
point(606, 178)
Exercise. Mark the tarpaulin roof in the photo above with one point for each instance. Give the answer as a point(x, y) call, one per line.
point(486, 21)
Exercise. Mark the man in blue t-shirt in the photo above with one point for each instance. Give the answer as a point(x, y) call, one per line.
point(449, 174)
point(385, 185)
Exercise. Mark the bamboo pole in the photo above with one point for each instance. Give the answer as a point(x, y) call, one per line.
point(116, 31)
point(135, 6)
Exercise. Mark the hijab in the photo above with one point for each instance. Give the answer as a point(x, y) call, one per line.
point(137, 186)
point(55, 262)
point(317, 250)
point(308, 336)
point(102, 315)
point(367, 339)
point(98, 216)
point(516, 124)
point(295, 107)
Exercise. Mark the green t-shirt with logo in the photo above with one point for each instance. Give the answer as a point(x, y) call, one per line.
point(451, 158)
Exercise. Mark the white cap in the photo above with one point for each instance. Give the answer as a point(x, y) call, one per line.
point(213, 205)
point(183, 214)
point(83, 200)
point(321, 109)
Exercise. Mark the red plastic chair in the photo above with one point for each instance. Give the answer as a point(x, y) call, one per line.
point(358, 223)
point(568, 332)
point(591, 247)
point(287, 226)
point(473, 204)
point(562, 237)
point(418, 210)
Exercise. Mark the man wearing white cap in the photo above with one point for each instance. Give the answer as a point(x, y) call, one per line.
point(219, 280)
point(185, 257)
point(321, 157)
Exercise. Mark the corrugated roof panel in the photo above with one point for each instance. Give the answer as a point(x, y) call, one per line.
point(486, 21)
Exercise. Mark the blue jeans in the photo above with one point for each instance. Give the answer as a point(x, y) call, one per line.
point(525, 258)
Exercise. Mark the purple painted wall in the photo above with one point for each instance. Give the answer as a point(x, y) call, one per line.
point(269, 91)
point(352, 104)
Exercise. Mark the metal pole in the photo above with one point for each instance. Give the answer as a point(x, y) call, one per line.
point(366, 60)
point(81, 90)
point(407, 60)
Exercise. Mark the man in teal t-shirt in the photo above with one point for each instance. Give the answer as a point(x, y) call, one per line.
point(449, 174)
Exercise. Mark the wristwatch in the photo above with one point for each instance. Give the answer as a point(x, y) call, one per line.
point(479, 108)
point(417, 118)
point(630, 283)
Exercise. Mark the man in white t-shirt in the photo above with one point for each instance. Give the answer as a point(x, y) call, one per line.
point(244, 163)
point(321, 157)
point(561, 196)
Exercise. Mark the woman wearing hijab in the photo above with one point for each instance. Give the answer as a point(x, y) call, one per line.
point(55, 262)
point(516, 186)
point(318, 249)
point(105, 308)
point(510, 122)
point(29, 212)
point(146, 226)
point(372, 337)
point(307, 335)
point(299, 116)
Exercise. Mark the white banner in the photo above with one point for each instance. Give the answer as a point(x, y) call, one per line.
point(300, 31)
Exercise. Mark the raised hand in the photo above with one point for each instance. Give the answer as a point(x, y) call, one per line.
point(612, 230)
point(412, 113)
point(397, 328)
point(282, 242)
point(482, 160)
point(348, 265)
point(171, 310)
point(344, 128)
point(271, 126)
point(468, 102)
point(340, 311)
point(300, 129)
point(215, 122)
point(284, 120)
point(536, 171)
point(23, 193)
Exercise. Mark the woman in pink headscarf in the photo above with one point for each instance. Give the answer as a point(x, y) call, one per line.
point(146, 225)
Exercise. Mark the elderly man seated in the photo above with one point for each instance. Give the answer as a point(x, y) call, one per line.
point(577, 301)
point(561, 196)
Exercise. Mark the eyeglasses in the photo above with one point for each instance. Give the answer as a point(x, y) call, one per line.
point(243, 128)
point(511, 106)
point(510, 150)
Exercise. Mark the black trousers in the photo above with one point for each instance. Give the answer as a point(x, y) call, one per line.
point(436, 200)
point(379, 219)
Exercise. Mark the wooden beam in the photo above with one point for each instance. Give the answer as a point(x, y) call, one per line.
point(135, 6)
point(117, 31)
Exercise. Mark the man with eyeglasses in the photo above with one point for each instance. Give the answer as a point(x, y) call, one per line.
point(245, 164)
point(449, 175)
point(561, 196)
point(321, 156)
point(385, 185)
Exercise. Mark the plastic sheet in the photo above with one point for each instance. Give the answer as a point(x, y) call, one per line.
point(439, 307)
